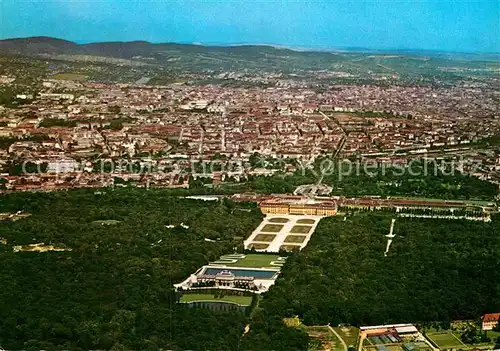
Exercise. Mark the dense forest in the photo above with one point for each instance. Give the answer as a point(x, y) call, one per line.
point(114, 289)
point(436, 270)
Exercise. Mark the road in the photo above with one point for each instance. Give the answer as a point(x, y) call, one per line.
point(344, 137)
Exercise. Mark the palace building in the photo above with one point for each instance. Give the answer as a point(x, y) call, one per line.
point(296, 205)
point(227, 279)
point(490, 321)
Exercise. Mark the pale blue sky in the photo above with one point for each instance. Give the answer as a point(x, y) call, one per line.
point(447, 25)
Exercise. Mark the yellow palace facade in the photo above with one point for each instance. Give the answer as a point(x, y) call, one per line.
point(300, 207)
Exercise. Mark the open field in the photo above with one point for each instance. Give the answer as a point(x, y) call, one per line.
point(493, 334)
point(272, 228)
point(240, 300)
point(324, 339)
point(300, 229)
point(295, 239)
point(446, 340)
point(278, 220)
point(251, 261)
point(445, 336)
point(265, 237)
point(70, 76)
point(348, 334)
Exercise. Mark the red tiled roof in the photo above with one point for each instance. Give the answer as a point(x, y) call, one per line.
point(491, 317)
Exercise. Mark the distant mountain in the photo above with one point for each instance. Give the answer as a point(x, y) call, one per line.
point(48, 45)
point(246, 56)
point(39, 45)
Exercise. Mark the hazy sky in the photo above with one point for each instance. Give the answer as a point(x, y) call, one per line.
point(448, 25)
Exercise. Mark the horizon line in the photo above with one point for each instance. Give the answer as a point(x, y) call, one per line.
point(277, 46)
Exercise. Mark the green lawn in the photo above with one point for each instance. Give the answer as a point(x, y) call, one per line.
point(300, 229)
point(305, 221)
point(70, 76)
point(265, 237)
point(446, 340)
point(493, 334)
point(278, 220)
point(348, 334)
point(326, 340)
point(240, 300)
point(273, 228)
point(254, 261)
point(295, 239)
